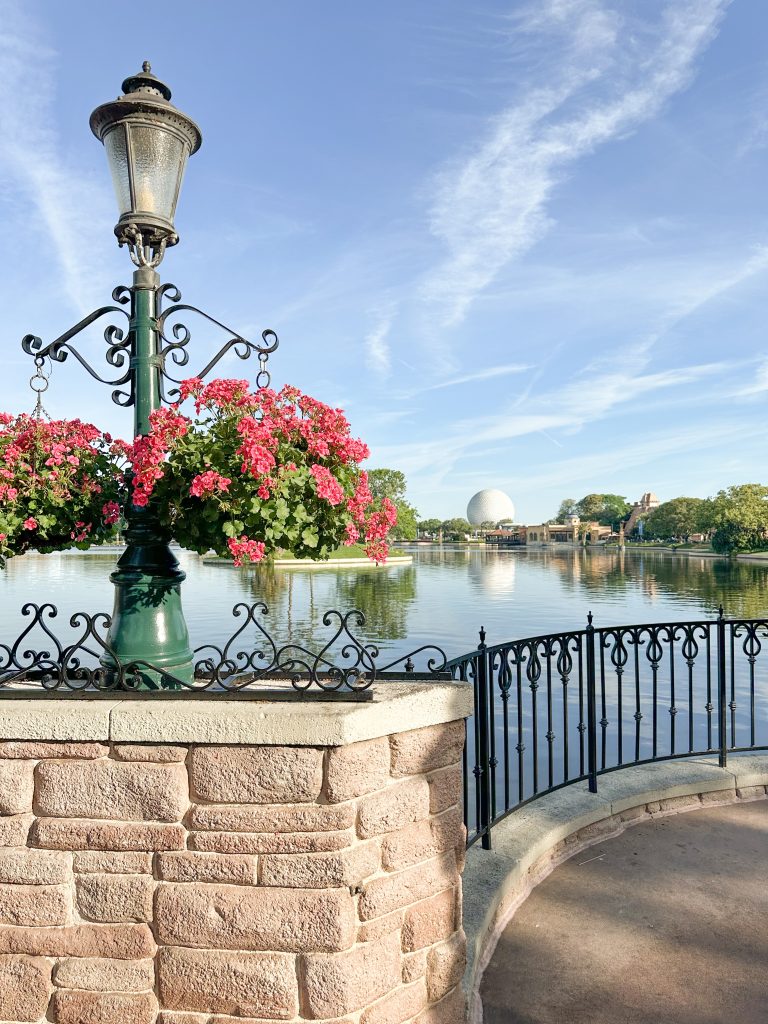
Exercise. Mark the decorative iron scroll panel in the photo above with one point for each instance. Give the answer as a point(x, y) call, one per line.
point(174, 336)
point(39, 663)
point(567, 707)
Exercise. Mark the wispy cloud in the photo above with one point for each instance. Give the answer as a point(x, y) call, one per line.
point(378, 356)
point(71, 210)
point(757, 386)
point(468, 378)
point(609, 77)
point(487, 374)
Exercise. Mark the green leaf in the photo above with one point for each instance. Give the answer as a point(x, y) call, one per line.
point(310, 536)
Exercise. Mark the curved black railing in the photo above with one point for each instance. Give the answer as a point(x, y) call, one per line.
point(567, 707)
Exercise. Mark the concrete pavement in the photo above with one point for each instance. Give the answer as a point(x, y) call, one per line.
point(666, 923)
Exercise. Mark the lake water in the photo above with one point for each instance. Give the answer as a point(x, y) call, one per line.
point(444, 597)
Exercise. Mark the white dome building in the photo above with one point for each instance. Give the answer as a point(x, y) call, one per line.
point(490, 506)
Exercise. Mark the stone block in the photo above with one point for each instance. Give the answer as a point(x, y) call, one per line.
point(233, 917)
point(149, 752)
point(398, 1006)
point(172, 1017)
point(206, 867)
point(100, 974)
point(445, 788)
point(423, 750)
point(450, 1010)
point(253, 984)
point(78, 834)
point(684, 803)
point(383, 895)
point(37, 750)
point(633, 814)
point(322, 870)
point(121, 791)
point(379, 926)
point(270, 842)
point(34, 904)
point(356, 769)
point(275, 818)
point(393, 808)
point(335, 984)
point(34, 867)
point(121, 942)
point(445, 966)
point(15, 830)
point(106, 863)
point(17, 786)
point(115, 898)
point(423, 840)
point(720, 796)
point(414, 966)
point(598, 830)
point(751, 793)
point(25, 986)
point(70, 1007)
point(429, 921)
point(185, 1017)
point(259, 775)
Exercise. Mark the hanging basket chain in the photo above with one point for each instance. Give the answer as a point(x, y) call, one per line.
point(39, 382)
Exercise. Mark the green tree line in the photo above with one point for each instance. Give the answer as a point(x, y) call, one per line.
point(734, 520)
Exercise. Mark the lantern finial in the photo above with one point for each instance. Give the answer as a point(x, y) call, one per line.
point(148, 141)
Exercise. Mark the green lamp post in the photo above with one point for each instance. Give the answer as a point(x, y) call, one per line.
point(147, 141)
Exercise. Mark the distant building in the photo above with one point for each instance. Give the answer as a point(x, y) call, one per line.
point(490, 506)
point(545, 534)
point(647, 503)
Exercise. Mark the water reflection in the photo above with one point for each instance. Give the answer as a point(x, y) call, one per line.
point(386, 607)
point(443, 598)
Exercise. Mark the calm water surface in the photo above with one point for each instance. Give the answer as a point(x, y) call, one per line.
point(443, 598)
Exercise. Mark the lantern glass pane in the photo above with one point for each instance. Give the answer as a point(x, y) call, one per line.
point(158, 159)
point(117, 155)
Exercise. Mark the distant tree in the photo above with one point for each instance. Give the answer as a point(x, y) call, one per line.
point(678, 518)
point(390, 483)
point(456, 529)
point(740, 519)
point(606, 509)
point(429, 526)
point(568, 507)
point(487, 524)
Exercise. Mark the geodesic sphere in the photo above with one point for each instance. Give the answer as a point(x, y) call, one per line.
point(490, 506)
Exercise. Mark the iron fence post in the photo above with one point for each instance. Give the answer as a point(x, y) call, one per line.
point(722, 733)
point(591, 707)
point(483, 756)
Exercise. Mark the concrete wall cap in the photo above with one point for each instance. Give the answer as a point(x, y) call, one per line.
point(396, 707)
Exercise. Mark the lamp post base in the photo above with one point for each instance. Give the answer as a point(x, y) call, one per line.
point(148, 627)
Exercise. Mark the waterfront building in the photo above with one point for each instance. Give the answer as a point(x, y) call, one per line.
point(571, 533)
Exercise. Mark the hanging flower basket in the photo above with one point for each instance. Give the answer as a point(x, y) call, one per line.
point(60, 485)
point(253, 472)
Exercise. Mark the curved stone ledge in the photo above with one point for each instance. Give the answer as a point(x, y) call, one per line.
point(531, 842)
point(396, 707)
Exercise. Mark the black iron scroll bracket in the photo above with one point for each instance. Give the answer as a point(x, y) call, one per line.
point(250, 664)
point(175, 337)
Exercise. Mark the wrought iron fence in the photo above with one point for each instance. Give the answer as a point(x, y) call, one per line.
point(252, 663)
point(567, 707)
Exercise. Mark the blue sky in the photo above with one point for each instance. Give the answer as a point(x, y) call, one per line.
point(523, 245)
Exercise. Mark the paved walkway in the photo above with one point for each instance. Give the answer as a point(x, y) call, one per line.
point(665, 924)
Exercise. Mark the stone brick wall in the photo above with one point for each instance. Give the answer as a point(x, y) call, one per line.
point(218, 884)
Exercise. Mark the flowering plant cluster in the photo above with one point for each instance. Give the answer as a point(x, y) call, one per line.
point(60, 484)
point(254, 472)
